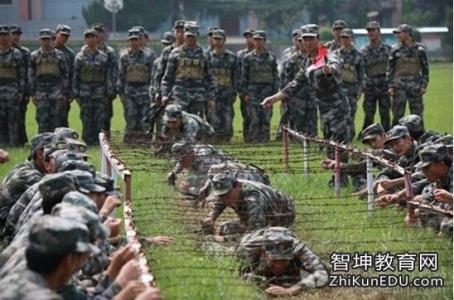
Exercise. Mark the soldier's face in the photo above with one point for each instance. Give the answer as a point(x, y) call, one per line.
point(346, 41)
point(231, 197)
point(190, 40)
point(174, 124)
point(101, 38)
point(310, 43)
point(210, 40)
point(337, 32)
point(434, 171)
point(377, 142)
point(373, 34)
point(134, 43)
point(46, 42)
point(4, 39)
point(402, 36)
point(15, 38)
point(401, 146)
point(90, 40)
point(277, 266)
point(61, 38)
point(218, 43)
point(249, 41)
point(179, 35)
point(259, 43)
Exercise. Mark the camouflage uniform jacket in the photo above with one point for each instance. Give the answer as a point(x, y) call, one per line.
point(304, 271)
point(414, 70)
point(188, 73)
point(444, 183)
point(205, 157)
point(376, 60)
point(358, 168)
point(61, 79)
point(26, 60)
point(12, 82)
point(259, 206)
point(407, 162)
point(69, 58)
point(291, 67)
point(161, 67)
point(332, 45)
point(112, 63)
point(226, 71)
point(352, 70)
point(128, 59)
point(15, 183)
point(259, 70)
point(192, 128)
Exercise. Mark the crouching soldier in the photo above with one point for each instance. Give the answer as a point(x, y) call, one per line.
point(280, 263)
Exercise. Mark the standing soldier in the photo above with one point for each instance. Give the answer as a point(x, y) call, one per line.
point(12, 86)
point(62, 35)
point(92, 87)
point(136, 66)
point(16, 32)
point(112, 69)
point(408, 74)
point(296, 33)
point(241, 54)
point(49, 81)
point(259, 79)
point(338, 26)
point(352, 73)
point(210, 40)
point(376, 56)
point(226, 72)
point(188, 80)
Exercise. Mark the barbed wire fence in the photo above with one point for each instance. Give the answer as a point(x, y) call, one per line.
point(327, 222)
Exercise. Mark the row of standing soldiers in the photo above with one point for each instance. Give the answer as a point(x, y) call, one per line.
point(205, 82)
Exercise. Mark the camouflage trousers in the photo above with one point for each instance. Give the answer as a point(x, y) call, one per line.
point(222, 118)
point(22, 128)
point(260, 119)
point(303, 115)
point(371, 98)
point(399, 101)
point(92, 114)
point(109, 115)
point(135, 110)
point(48, 96)
point(63, 108)
point(9, 115)
point(246, 121)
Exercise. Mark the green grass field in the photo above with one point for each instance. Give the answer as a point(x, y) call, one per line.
point(193, 268)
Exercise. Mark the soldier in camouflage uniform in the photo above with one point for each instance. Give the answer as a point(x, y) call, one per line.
point(53, 241)
point(63, 33)
point(112, 64)
point(280, 263)
point(134, 80)
point(376, 55)
point(226, 71)
point(12, 86)
point(92, 87)
point(248, 33)
point(49, 81)
point(296, 34)
point(302, 112)
point(259, 78)
point(188, 80)
point(256, 204)
point(16, 33)
point(322, 73)
point(335, 44)
point(351, 73)
point(408, 74)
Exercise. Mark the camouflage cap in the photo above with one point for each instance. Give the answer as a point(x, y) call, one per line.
point(222, 183)
point(108, 183)
point(211, 29)
point(140, 28)
point(339, 24)
point(403, 28)
point(278, 244)
point(219, 34)
point(99, 27)
point(296, 32)
point(56, 145)
point(307, 31)
point(172, 112)
point(414, 123)
point(59, 236)
point(432, 153)
point(56, 184)
point(66, 132)
point(90, 32)
point(373, 25)
point(84, 181)
point(63, 29)
point(445, 140)
point(76, 145)
point(134, 33)
point(46, 33)
point(167, 38)
point(70, 165)
point(96, 230)
point(191, 28)
point(61, 156)
point(249, 32)
point(371, 131)
point(78, 199)
point(179, 24)
point(395, 133)
point(347, 32)
point(314, 27)
point(14, 28)
point(4, 28)
point(40, 141)
point(259, 34)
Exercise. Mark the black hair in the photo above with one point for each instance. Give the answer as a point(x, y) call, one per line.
point(42, 263)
